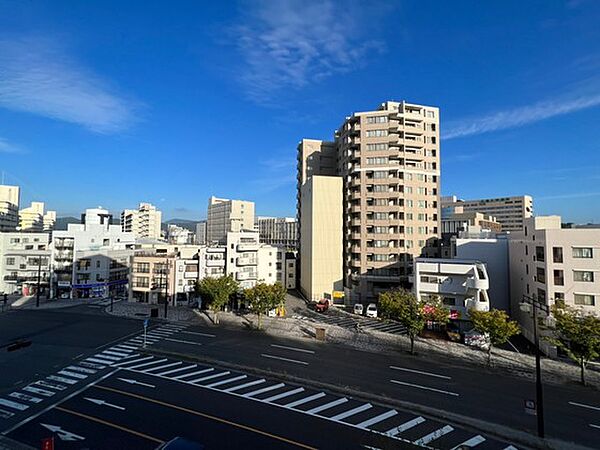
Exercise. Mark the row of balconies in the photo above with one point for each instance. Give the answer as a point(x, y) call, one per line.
point(246, 276)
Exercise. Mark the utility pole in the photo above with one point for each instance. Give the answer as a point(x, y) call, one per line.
point(167, 287)
point(37, 293)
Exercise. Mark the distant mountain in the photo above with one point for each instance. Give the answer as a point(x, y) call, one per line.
point(183, 223)
point(61, 222)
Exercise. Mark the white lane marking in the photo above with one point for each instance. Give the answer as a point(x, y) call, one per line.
point(356, 410)
point(125, 347)
point(198, 372)
point(445, 377)
point(131, 355)
point(21, 396)
point(229, 380)
point(62, 379)
point(169, 372)
point(100, 361)
point(380, 418)
point(51, 385)
point(434, 435)
point(304, 400)
point(182, 341)
point(209, 377)
point(68, 373)
point(145, 358)
point(510, 447)
point(114, 353)
point(13, 405)
point(262, 390)
point(91, 364)
point(4, 414)
point(64, 435)
point(38, 391)
point(283, 395)
point(103, 355)
point(405, 426)
point(594, 426)
point(131, 381)
point(473, 442)
point(583, 405)
point(195, 333)
point(149, 363)
point(160, 333)
point(164, 366)
point(245, 385)
point(82, 369)
point(294, 349)
point(284, 359)
point(418, 386)
point(318, 409)
point(100, 402)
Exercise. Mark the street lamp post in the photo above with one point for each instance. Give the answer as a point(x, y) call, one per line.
point(37, 294)
point(167, 287)
point(539, 391)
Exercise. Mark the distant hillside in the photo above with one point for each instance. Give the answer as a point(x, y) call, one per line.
point(61, 222)
point(183, 223)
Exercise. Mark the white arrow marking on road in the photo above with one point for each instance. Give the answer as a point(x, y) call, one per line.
point(97, 401)
point(130, 381)
point(64, 435)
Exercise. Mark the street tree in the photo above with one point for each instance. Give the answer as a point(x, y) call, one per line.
point(578, 334)
point(495, 324)
point(434, 311)
point(403, 306)
point(263, 297)
point(216, 292)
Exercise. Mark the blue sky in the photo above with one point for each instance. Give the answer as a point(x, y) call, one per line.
point(113, 103)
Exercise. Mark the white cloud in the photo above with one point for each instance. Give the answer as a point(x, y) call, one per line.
point(520, 116)
point(568, 196)
point(292, 43)
point(7, 147)
point(38, 77)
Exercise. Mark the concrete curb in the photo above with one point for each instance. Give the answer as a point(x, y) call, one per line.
point(518, 437)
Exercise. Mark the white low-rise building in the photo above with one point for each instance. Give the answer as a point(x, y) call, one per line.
point(212, 260)
point(248, 260)
point(460, 284)
point(24, 262)
point(286, 267)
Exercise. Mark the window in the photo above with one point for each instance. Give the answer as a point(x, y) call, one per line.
point(422, 191)
point(377, 161)
point(449, 301)
point(377, 133)
point(422, 230)
point(583, 275)
point(422, 216)
point(559, 297)
point(380, 230)
point(380, 174)
point(422, 203)
point(380, 244)
point(10, 261)
point(408, 190)
point(408, 244)
point(409, 216)
point(541, 295)
point(409, 203)
point(539, 254)
point(408, 230)
point(584, 299)
point(557, 254)
point(377, 147)
point(540, 274)
point(559, 279)
point(377, 119)
point(380, 188)
point(430, 114)
point(582, 252)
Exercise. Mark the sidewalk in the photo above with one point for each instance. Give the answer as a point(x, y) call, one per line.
point(142, 310)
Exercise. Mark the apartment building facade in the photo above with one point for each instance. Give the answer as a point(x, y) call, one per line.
point(24, 262)
point(35, 218)
point(177, 235)
point(9, 207)
point(144, 222)
point(554, 264)
point(510, 212)
point(201, 232)
point(389, 163)
point(225, 215)
point(249, 261)
point(286, 267)
point(278, 231)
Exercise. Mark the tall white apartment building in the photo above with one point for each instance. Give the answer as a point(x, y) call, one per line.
point(91, 259)
point(278, 231)
point(212, 260)
point(510, 212)
point(249, 261)
point(227, 215)
point(389, 162)
point(144, 222)
point(24, 259)
point(9, 207)
point(554, 264)
point(34, 218)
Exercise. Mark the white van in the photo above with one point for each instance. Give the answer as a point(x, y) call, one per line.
point(358, 309)
point(372, 310)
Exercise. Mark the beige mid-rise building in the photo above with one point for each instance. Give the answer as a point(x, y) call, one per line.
point(510, 212)
point(144, 222)
point(389, 163)
point(227, 215)
point(35, 219)
point(554, 264)
point(9, 207)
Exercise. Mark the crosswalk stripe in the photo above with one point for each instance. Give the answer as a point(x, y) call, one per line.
point(434, 435)
point(169, 372)
point(474, 441)
point(210, 377)
point(62, 379)
point(38, 391)
point(351, 412)
point(405, 426)
point(318, 409)
point(305, 400)
point(68, 373)
point(101, 361)
point(198, 372)
point(284, 394)
point(145, 358)
point(28, 398)
point(13, 405)
point(82, 369)
point(164, 366)
point(109, 357)
point(229, 380)
point(380, 418)
point(113, 353)
point(149, 363)
point(126, 347)
point(245, 385)
point(265, 389)
point(92, 364)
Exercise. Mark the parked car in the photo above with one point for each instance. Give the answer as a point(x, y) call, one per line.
point(358, 309)
point(372, 310)
point(322, 305)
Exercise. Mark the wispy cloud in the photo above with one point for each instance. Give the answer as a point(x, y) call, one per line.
point(567, 196)
point(7, 147)
point(37, 76)
point(291, 43)
point(520, 116)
